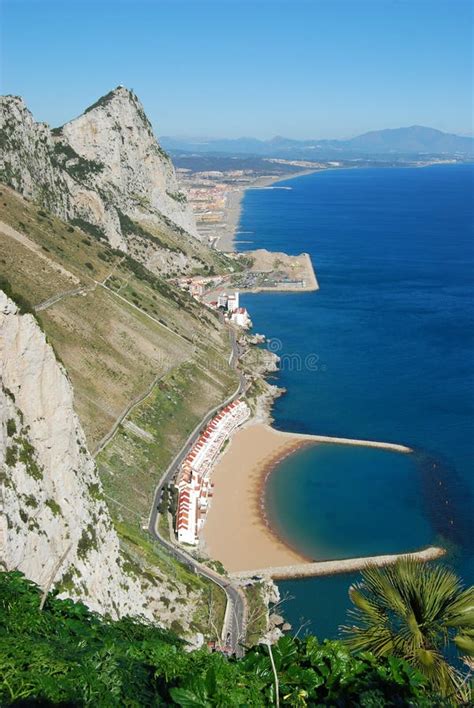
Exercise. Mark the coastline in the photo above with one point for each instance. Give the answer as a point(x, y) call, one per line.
point(233, 207)
point(237, 532)
point(232, 210)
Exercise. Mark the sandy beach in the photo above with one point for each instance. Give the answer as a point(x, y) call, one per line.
point(235, 531)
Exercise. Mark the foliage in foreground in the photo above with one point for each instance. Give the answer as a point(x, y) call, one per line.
point(67, 654)
point(417, 612)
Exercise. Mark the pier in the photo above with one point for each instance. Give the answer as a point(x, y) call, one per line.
point(354, 442)
point(333, 567)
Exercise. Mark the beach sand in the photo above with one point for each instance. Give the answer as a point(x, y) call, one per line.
point(231, 219)
point(235, 531)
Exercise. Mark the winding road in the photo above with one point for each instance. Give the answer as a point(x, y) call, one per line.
point(233, 630)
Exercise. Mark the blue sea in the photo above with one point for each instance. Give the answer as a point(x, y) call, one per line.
point(383, 351)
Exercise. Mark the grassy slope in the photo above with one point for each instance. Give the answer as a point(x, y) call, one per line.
point(141, 235)
point(115, 340)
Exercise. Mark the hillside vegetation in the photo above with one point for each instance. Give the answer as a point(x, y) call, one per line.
point(105, 173)
point(146, 362)
point(68, 655)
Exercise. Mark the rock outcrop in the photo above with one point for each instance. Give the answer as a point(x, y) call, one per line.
point(104, 170)
point(55, 525)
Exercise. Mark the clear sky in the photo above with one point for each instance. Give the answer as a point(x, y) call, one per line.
point(227, 68)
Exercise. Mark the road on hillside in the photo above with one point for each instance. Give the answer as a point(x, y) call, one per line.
point(233, 631)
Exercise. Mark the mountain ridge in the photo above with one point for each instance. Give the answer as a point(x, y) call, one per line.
point(105, 172)
point(411, 140)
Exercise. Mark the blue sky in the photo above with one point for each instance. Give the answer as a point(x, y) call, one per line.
point(299, 68)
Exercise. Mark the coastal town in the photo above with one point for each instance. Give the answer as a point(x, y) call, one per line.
point(215, 198)
point(193, 480)
point(211, 292)
point(215, 195)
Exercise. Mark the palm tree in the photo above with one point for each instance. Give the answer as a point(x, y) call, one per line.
point(414, 611)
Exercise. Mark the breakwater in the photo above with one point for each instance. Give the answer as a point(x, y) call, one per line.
point(395, 447)
point(346, 565)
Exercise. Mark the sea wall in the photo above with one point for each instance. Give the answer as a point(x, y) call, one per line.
point(357, 442)
point(346, 565)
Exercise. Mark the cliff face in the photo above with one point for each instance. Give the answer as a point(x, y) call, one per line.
point(104, 169)
point(51, 498)
point(27, 158)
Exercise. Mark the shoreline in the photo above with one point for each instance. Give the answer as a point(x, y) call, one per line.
point(227, 239)
point(237, 531)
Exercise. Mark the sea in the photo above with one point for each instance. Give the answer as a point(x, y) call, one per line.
point(384, 350)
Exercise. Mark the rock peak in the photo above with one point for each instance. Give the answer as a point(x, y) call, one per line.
point(119, 93)
point(98, 167)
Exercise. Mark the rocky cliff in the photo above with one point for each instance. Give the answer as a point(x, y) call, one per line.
point(104, 170)
point(54, 521)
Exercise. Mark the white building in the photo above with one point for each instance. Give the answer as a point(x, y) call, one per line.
point(241, 318)
point(193, 479)
point(233, 302)
point(222, 300)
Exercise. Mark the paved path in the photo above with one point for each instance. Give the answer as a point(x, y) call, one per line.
point(136, 401)
point(59, 296)
point(233, 631)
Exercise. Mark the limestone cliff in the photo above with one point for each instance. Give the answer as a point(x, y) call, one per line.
point(51, 499)
point(103, 170)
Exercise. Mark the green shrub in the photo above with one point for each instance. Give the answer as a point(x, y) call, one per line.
point(68, 655)
point(11, 427)
point(24, 306)
point(87, 542)
point(30, 501)
point(27, 455)
point(89, 228)
point(54, 506)
point(130, 227)
point(11, 456)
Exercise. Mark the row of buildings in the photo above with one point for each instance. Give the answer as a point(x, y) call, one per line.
point(193, 479)
point(229, 303)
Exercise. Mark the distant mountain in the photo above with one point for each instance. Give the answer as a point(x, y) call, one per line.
point(416, 139)
point(413, 141)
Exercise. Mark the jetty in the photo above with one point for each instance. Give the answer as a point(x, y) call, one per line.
point(333, 567)
point(396, 447)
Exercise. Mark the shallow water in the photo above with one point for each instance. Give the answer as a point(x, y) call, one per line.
point(328, 499)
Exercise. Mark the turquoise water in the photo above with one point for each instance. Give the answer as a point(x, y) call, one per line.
point(343, 494)
point(383, 351)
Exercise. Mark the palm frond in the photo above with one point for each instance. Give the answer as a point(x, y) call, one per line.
point(410, 610)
